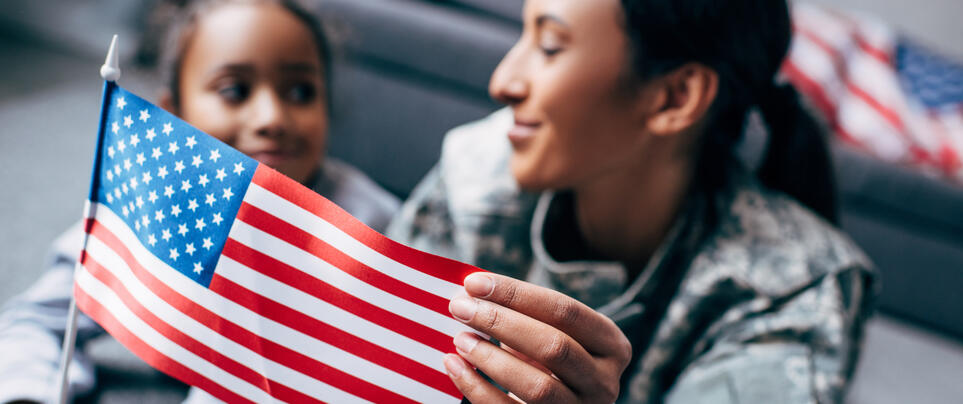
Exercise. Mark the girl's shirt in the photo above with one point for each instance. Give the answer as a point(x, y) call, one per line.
point(32, 324)
point(767, 305)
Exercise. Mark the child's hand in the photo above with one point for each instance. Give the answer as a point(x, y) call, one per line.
point(555, 349)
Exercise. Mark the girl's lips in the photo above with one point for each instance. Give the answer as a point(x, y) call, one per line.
point(271, 157)
point(522, 131)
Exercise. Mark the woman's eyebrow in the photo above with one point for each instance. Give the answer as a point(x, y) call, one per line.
point(242, 68)
point(544, 18)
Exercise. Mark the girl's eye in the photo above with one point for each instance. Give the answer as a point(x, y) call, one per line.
point(302, 93)
point(234, 93)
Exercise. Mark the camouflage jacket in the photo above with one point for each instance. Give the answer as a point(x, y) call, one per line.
point(766, 306)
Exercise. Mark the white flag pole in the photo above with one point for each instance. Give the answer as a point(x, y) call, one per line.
point(110, 71)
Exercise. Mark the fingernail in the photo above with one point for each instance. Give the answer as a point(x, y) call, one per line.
point(465, 342)
point(455, 366)
point(480, 285)
point(463, 308)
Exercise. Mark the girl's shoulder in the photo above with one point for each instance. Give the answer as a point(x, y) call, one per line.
point(356, 193)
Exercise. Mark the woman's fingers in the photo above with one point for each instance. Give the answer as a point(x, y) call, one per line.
point(475, 388)
point(596, 333)
point(525, 381)
point(538, 341)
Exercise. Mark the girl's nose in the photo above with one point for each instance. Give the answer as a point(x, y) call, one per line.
point(269, 116)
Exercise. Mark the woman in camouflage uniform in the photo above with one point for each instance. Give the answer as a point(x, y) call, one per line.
point(655, 266)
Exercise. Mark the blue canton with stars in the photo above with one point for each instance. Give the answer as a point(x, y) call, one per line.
point(176, 187)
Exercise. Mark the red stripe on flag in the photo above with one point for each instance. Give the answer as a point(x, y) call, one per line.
point(273, 388)
point(439, 267)
point(236, 333)
point(319, 248)
point(332, 335)
point(145, 351)
point(310, 285)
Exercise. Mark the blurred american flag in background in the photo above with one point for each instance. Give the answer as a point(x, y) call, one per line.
point(878, 90)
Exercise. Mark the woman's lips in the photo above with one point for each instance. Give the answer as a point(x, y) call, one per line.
point(522, 131)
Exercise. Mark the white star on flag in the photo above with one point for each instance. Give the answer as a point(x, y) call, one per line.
point(220, 174)
point(191, 142)
point(202, 179)
point(172, 148)
point(189, 249)
point(144, 115)
point(169, 191)
point(134, 140)
point(162, 172)
point(128, 121)
point(198, 268)
point(215, 154)
point(167, 129)
point(207, 243)
point(127, 164)
point(146, 178)
point(159, 216)
point(156, 153)
point(140, 159)
point(217, 219)
point(174, 254)
point(238, 168)
point(186, 185)
point(210, 199)
point(166, 234)
point(200, 224)
point(192, 204)
point(110, 151)
point(178, 166)
point(151, 134)
point(121, 103)
point(114, 127)
point(152, 196)
point(182, 229)
point(121, 146)
point(151, 240)
point(175, 210)
point(227, 193)
point(196, 161)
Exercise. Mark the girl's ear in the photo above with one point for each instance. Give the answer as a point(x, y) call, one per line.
point(682, 99)
point(167, 101)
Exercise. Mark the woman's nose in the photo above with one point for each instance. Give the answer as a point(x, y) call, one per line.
point(508, 84)
point(269, 116)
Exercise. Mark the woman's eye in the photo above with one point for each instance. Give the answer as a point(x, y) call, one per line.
point(234, 93)
point(550, 50)
point(302, 93)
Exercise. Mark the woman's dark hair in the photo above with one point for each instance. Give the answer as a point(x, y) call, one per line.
point(744, 42)
point(180, 19)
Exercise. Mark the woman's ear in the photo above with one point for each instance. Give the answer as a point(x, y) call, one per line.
point(682, 99)
point(167, 101)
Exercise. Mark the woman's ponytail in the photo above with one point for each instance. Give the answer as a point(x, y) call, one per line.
point(797, 160)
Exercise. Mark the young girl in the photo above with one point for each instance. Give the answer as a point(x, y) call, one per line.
point(253, 74)
point(656, 268)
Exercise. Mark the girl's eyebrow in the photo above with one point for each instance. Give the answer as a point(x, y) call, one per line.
point(244, 68)
point(300, 67)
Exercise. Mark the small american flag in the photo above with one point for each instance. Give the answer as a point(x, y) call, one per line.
point(880, 91)
point(223, 273)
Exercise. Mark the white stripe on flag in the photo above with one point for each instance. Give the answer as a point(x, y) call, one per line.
point(331, 234)
point(101, 253)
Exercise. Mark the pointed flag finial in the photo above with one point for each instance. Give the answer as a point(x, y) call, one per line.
point(110, 71)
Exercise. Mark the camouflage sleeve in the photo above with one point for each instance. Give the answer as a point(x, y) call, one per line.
point(424, 222)
point(800, 349)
